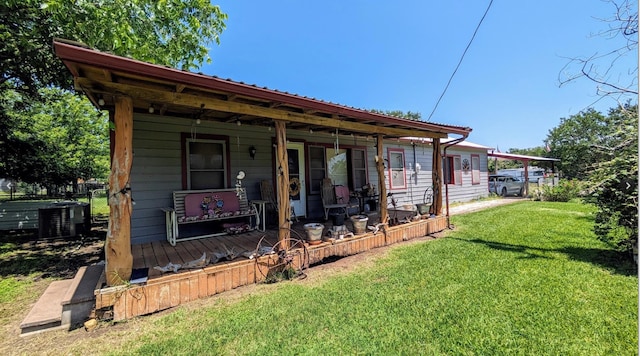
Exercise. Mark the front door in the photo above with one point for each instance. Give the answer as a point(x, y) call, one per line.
point(297, 193)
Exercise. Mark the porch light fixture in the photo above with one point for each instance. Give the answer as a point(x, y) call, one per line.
point(101, 101)
point(238, 123)
point(252, 152)
point(151, 109)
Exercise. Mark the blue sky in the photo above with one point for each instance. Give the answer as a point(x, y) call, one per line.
point(399, 56)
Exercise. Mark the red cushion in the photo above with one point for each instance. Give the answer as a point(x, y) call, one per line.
point(342, 194)
point(192, 202)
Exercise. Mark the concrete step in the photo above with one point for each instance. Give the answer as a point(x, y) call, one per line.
point(80, 298)
point(64, 304)
point(46, 314)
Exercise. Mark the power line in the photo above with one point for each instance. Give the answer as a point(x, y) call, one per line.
point(460, 62)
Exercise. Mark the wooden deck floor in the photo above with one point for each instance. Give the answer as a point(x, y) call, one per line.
point(160, 253)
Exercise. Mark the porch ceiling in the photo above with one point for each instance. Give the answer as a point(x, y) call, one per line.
point(178, 93)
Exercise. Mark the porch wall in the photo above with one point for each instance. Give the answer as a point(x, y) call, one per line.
point(157, 167)
point(175, 289)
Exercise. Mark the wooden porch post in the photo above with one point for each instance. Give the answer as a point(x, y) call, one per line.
point(119, 260)
point(436, 177)
point(384, 214)
point(525, 188)
point(282, 178)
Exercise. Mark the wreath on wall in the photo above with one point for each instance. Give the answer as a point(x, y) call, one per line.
point(465, 165)
point(294, 186)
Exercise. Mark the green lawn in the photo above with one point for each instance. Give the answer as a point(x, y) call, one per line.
point(528, 278)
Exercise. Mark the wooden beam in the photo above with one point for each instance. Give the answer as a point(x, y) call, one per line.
point(195, 101)
point(384, 214)
point(282, 178)
point(107, 75)
point(119, 260)
point(180, 88)
point(436, 178)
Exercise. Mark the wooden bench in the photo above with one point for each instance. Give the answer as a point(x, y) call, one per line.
point(208, 205)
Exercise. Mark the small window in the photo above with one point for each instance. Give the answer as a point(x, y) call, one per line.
point(317, 167)
point(452, 170)
point(397, 172)
point(205, 163)
point(475, 169)
point(359, 164)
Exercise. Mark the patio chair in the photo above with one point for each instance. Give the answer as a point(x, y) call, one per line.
point(329, 201)
point(343, 196)
point(266, 193)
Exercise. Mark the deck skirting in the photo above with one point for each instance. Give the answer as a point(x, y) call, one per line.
point(171, 290)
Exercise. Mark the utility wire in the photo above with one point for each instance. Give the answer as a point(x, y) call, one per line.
point(460, 62)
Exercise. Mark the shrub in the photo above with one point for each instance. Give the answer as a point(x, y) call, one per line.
point(563, 192)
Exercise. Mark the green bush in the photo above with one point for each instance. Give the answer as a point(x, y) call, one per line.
point(563, 192)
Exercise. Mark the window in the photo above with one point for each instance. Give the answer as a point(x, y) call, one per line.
point(345, 166)
point(452, 170)
point(397, 176)
point(205, 164)
point(317, 167)
point(359, 164)
point(475, 169)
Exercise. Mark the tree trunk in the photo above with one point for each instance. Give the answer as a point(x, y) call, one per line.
point(384, 214)
point(119, 260)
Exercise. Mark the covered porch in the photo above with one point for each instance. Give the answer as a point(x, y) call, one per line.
point(151, 107)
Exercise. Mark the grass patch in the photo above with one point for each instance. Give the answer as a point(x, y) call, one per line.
point(527, 278)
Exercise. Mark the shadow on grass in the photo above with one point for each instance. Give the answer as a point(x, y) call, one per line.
point(23, 254)
point(617, 262)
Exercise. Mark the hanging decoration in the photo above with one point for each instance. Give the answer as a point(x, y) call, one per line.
point(294, 187)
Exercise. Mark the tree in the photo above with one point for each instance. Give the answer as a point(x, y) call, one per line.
point(614, 181)
point(612, 156)
point(572, 141)
point(415, 116)
point(608, 68)
point(173, 33)
point(55, 140)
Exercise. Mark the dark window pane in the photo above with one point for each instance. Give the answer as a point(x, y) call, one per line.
point(207, 180)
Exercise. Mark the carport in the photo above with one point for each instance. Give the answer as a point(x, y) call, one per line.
point(525, 161)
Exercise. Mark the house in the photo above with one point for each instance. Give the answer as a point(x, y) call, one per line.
point(175, 131)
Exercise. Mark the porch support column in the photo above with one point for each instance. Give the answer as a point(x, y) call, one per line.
point(436, 177)
point(525, 188)
point(282, 178)
point(119, 260)
point(384, 214)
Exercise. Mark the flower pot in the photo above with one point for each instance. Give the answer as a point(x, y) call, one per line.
point(359, 223)
point(337, 219)
point(423, 209)
point(314, 232)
